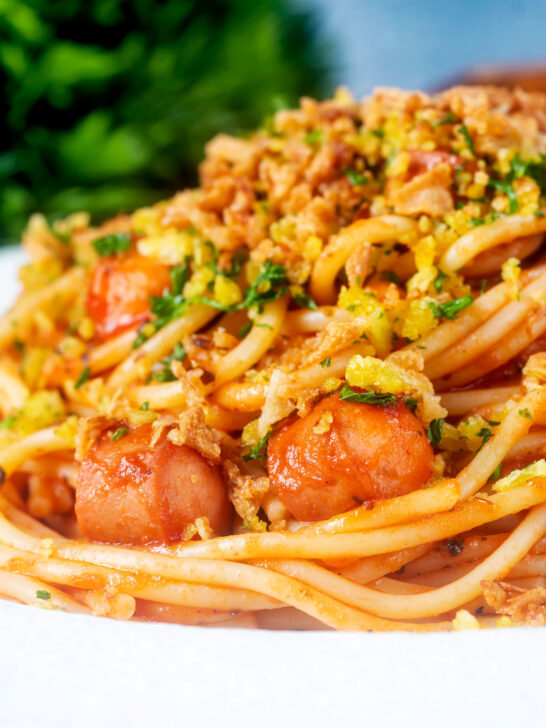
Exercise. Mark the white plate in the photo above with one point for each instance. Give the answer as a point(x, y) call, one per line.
point(65, 670)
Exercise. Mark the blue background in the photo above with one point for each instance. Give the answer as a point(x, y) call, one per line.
point(425, 43)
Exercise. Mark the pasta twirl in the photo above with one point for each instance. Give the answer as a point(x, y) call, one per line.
point(309, 394)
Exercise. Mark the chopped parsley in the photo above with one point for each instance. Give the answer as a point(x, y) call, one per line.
point(145, 406)
point(43, 594)
point(84, 376)
point(238, 259)
point(326, 362)
point(505, 186)
point(467, 138)
point(112, 244)
point(356, 178)
point(180, 275)
point(244, 330)
point(518, 169)
point(8, 423)
point(119, 433)
point(162, 375)
point(166, 373)
point(486, 434)
point(525, 413)
point(451, 308)
point(381, 399)
point(259, 450)
point(270, 285)
point(439, 280)
point(434, 432)
point(313, 137)
point(411, 403)
point(534, 170)
point(495, 475)
point(449, 118)
point(304, 301)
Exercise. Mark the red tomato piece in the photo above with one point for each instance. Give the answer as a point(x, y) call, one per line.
point(119, 292)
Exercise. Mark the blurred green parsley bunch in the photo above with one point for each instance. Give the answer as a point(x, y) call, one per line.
point(106, 104)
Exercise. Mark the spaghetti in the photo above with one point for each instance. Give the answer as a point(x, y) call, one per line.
point(309, 394)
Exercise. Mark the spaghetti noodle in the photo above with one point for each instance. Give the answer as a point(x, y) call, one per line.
point(309, 394)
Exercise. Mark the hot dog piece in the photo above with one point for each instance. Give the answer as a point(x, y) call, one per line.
point(129, 492)
point(343, 454)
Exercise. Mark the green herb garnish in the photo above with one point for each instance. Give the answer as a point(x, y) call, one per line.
point(313, 137)
point(505, 186)
point(180, 275)
point(439, 280)
point(43, 594)
point(451, 308)
point(495, 475)
point(486, 434)
point(434, 432)
point(449, 118)
point(112, 244)
point(84, 376)
point(243, 331)
point(259, 450)
point(381, 399)
point(304, 301)
point(166, 374)
point(326, 362)
point(356, 178)
point(468, 139)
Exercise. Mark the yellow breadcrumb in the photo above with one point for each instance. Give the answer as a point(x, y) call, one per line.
point(46, 549)
point(198, 283)
point(86, 328)
point(312, 248)
point(41, 409)
point(521, 477)
point(324, 424)
point(511, 272)
point(250, 435)
point(331, 384)
point(470, 429)
point(371, 372)
point(415, 319)
point(69, 431)
point(371, 313)
point(464, 620)
point(226, 291)
point(37, 275)
point(170, 247)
